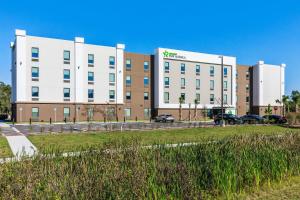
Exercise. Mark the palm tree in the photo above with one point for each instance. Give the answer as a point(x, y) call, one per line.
point(196, 102)
point(286, 104)
point(296, 99)
point(268, 110)
point(181, 101)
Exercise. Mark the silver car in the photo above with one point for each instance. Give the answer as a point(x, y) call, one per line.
point(164, 118)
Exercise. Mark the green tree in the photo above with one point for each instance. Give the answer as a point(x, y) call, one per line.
point(296, 99)
point(181, 101)
point(268, 110)
point(5, 96)
point(286, 104)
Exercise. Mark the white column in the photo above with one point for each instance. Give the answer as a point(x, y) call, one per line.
point(282, 77)
point(21, 68)
point(261, 83)
point(80, 93)
point(119, 72)
point(233, 88)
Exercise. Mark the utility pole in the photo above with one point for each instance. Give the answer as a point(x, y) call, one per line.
point(222, 91)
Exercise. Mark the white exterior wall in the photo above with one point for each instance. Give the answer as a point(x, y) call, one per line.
point(193, 57)
point(21, 67)
point(51, 66)
point(268, 84)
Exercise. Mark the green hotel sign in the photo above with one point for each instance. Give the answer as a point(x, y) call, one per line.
point(168, 54)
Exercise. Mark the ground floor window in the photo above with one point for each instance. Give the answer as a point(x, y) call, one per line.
point(147, 113)
point(35, 113)
point(66, 112)
point(90, 114)
point(127, 112)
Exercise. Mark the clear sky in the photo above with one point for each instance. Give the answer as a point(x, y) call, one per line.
point(250, 30)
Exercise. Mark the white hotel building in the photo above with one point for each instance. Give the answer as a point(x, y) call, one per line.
point(72, 80)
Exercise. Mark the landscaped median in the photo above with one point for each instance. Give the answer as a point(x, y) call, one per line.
point(4, 148)
point(71, 141)
point(226, 163)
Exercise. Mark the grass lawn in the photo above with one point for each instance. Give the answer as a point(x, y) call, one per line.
point(70, 142)
point(287, 190)
point(4, 148)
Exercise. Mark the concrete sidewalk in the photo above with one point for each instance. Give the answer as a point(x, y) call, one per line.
point(18, 143)
point(21, 146)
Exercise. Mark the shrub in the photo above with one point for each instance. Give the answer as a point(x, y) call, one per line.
point(126, 170)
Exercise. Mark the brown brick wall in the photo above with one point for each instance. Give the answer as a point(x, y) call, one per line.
point(242, 106)
point(22, 112)
point(137, 88)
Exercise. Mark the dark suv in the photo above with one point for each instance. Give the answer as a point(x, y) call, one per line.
point(252, 119)
point(275, 119)
point(228, 118)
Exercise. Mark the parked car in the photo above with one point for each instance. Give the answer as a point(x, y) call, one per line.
point(275, 119)
point(252, 119)
point(164, 118)
point(228, 118)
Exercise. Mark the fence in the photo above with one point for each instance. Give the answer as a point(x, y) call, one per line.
point(105, 127)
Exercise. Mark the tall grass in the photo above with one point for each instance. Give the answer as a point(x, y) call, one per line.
point(129, 171)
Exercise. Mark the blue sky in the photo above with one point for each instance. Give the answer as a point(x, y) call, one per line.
point(250, 30)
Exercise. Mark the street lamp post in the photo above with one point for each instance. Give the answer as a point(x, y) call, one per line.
point(222, 91)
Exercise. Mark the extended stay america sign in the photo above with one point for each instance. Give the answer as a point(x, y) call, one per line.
point(168, 54)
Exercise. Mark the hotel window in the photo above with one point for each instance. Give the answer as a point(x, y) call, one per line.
point(146, 81)
point(127, 112)
point(146, 65)
point(225, 98)
point(225, 71)
point(35, 113)
point(166, 97)
point(247, 88)
point(146, 95)
point(111, 60)
point(182, 95)
point(111, 95)
point(167, 67)
point(182, 68)
point(212, 70)
point(211, 85)
point(128, 95)
point(66, 112)
point(66, 93)
point(146, 113)
point(35, 91)
point(212, 98)
point(198, 84)
point(198, 97)
point(90, 93)
point(182, 83)
point(66, 74)
point(225, 85)
point(112, 78)
point(35, 73)
point(247, 75)
point(167, 82)
point(197, 69)
point(128, 80)
point(128, 64)
point(90, 113)
point(66, 57)
point(34, 53)
point(247, 99)
point(91, 76)
point(91, 59)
